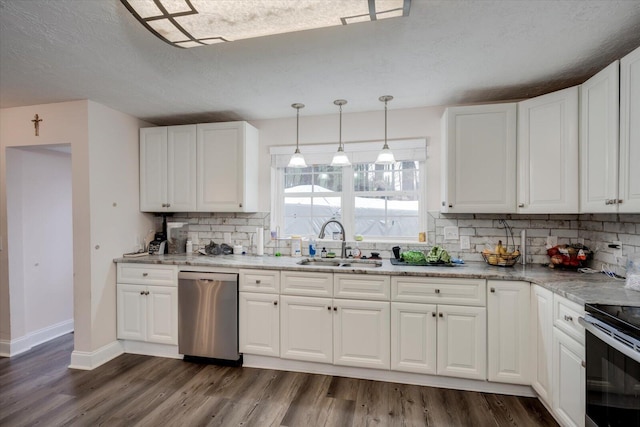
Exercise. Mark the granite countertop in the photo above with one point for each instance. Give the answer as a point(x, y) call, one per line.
point(578, 287)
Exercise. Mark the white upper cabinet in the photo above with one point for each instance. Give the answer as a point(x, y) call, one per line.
point(629, 178)
point(548, 153)
point(479, 159)
point(227, 167)
point(167, 169)
point(599, 124)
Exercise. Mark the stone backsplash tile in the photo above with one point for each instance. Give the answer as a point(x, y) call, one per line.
point(597, 231)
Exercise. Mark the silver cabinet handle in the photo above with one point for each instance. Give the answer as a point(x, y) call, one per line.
point(437, 291)
point(440, 315)
point(145, 274)
point(521, 205)
point(433, 314)
point(141, 292)
point(335, 308)
point(275, 303)
point(240, 204)
point(329, 307)
point(493, 290)
point(258, 282)
point(568, 318)
point(450, 205)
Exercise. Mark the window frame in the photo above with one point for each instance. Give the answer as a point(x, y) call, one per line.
point(348, 193)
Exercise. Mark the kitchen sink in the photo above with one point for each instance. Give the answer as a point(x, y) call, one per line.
point(341, 263)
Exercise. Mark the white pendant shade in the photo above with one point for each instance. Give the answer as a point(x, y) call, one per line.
point(340, 159)
point(297, 161)
point(385, 157)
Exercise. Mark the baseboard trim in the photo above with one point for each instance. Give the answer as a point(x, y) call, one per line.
point(266, 362)
point(88, 360)
point(151, 349)
point(10, 348)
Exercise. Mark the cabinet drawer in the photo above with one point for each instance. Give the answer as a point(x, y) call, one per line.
point(306, 283)
point(565, 317)
point(148, 274)
point(439, 290)
point(361, 286)
point(264, 281)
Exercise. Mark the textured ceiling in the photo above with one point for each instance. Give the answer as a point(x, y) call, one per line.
point(445, 52)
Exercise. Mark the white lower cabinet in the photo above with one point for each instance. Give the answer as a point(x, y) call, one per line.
point(439, 326)
point(508, 331)
point(541, 338)
point(361, 333)
point(259, 324)
point(462, 341)
point(306, 328)
point(147, 313)
point(413, 337)
point(568, 380)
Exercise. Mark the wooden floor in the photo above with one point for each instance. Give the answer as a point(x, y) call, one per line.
point(37, 389)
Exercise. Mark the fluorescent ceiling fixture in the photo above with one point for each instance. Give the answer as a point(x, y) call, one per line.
point(191, 23)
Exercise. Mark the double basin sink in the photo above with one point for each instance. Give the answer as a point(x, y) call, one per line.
point(347, 263)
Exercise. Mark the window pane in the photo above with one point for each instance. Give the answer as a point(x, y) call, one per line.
point(401, 176)
point(318, 178)
point(387, 216)
point(305, 215)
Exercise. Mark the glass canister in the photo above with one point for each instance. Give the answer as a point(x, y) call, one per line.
point(633, 272)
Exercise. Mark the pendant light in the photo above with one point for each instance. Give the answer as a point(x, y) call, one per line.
point(297, 160)
point(385, 157)
point(340, 158)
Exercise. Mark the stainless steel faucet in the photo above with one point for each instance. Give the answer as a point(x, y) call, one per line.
point(343, 253)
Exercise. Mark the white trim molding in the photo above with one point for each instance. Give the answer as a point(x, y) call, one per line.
point(88, 360)
point(10, 348)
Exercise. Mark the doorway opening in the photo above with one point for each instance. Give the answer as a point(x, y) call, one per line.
point(40, 243)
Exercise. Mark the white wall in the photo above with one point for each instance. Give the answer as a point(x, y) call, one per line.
point(39, 216)
point(356, 127)
point(104, 168)
point(116, 219)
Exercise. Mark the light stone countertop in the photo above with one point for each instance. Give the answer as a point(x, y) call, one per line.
point(578, 287)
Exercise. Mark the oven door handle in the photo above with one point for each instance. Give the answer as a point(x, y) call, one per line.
point(593, 326)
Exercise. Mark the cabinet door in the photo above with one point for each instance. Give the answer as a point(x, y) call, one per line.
point(413, 337)
point(306, 328)
point(568, 380)
point(361, 334)
point(462, 341)
point(131, 312)
point(181, 168)
point(227, 167)
point(541, 341)
point(259, 324)
point(599, 126)
point(153, 169)
point(508, 331)
point(162, 314)
point(630, 133)
point(548, 153)
point(479, 159)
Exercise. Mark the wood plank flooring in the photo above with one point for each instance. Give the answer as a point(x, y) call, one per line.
point(37, 389)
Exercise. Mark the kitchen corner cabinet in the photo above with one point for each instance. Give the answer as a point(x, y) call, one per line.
point(541, 341)
point(599, 126)
point(167, 169)
point(479, 159)
point(227, 167)
point(548, 180)
point(508, 331)
point(147, 303)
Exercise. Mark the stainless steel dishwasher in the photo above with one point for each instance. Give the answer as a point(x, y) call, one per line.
point(208, 316)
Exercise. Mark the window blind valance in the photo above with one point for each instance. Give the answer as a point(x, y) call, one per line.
point(358, 152)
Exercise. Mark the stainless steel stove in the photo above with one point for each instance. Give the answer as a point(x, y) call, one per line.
point(613, 365)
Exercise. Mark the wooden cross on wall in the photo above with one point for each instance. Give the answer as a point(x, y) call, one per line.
point(36, 124)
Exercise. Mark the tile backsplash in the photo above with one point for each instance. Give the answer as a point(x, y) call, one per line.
point(596, 231)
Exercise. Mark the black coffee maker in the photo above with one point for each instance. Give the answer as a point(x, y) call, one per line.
point(159, 244)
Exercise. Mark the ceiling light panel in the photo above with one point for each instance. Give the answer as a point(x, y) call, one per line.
point(190, 23)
